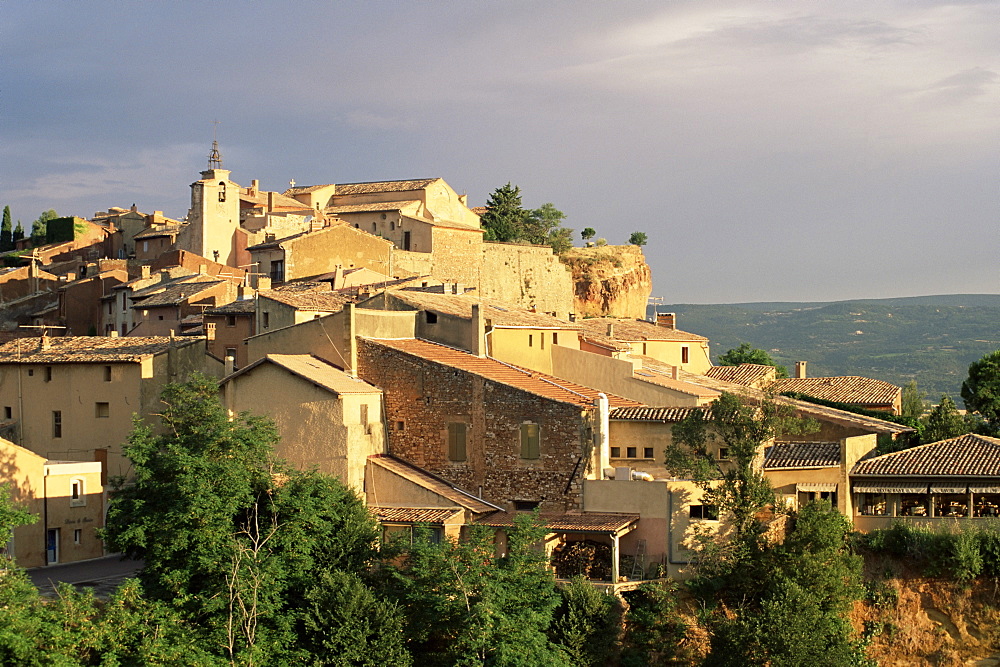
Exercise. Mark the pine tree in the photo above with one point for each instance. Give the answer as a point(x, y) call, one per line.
point(504, 218)
point(18, 233)
point(6, 234)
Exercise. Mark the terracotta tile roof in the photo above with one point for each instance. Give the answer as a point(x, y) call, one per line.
point(634, 330)
point(540, 384)
point(374, 206)
point(174, 294)
point(460, 305)
point(662, 375)
point(159, 230)
point(479, 210)
point(156, 284)
point(584, 522)
point(784, 455)
point(965, 456)
point(652, 414)
point(803, 408)
point(382, 186)
point(316, 371)
point(432, 483)
point(844, 389)
point(87, 349)
point(303, 189)
point(745, 374)
point(237, 307)
point(413, 514)
point(326, 301)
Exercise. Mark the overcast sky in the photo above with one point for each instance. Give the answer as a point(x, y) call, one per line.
point(772, 151)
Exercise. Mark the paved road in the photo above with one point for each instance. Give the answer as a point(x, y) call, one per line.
point(101, 574)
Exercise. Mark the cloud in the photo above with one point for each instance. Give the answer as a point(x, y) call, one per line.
point(961, 86)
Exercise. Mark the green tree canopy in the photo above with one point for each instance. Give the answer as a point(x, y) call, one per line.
point(6, 232)
point(912, 401)
point(944, 422)
point(18, 232)
point(981, 390)
point(638, 238)
point(40, 226)
point(748, 354)
point(588, 233)
point(505, 215)
point(231, 536)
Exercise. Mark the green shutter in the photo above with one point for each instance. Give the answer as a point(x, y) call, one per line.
point(529, 441)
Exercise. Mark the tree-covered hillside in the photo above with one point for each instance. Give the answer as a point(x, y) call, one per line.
point(930, 339)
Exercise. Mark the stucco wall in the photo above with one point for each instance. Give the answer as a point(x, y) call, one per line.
point(322, 251)
point(328, 337)
point(85, 515)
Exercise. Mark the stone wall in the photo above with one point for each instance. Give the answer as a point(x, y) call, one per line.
point(422, 397)
point(526, 275)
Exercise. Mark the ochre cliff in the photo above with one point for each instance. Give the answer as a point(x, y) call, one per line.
point(610, 281)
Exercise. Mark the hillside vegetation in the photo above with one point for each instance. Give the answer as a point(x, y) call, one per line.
point(930, 339)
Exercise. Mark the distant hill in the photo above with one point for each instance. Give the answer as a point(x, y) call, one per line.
point(932, 339)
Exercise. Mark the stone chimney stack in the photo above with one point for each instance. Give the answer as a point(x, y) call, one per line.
point(611, 329)
point(666, 320)
point(800, 370)
point(144, 271)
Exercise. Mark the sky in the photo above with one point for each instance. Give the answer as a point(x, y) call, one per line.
point(771, 151)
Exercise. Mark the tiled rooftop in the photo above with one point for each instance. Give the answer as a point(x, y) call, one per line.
point(844, 389)
point(583, 522)
point(662, 375)
point(237, 307)
point(316, 371)
point(159, 230)
point(460, 305)
point(86, 349)
point(432, 483)
point(414, 514)
point(279, 201)
point(382, 186)
point(746, 374)
point(652, 414)
point(304, 189)
point(326, 301)
point(174, 294)
point(540, 384)
point(785, 455)
point(967, 455)
point(634, 330)
point(374, 206)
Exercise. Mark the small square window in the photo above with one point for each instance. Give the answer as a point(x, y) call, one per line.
point(102, 410)
point(647, 452)
point(526, 505)
point(707, 512)
point(723, 453)
point(400, 426)
point(616, 452)
point(230, 320)
point(630, 452)
point(430, 318)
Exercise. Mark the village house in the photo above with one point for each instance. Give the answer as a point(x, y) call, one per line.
point(228, 326)
point(514, 437)
point(295, 303)
point(326, 418)
point(67, 497)
point(158, 312)
point(73, 398)
point(80, 301)
point(312, 253)
point(660, 340)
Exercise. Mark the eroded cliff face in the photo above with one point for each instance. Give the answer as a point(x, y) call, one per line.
point(612, 281)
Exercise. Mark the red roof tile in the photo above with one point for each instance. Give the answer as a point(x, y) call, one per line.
point(540, 384)
point(843, 389)
point(652, 414)
point(414, 514)
point(585, 522)
point(745, 374)
point(967, 455)
point(432, 483)
point(786, 455)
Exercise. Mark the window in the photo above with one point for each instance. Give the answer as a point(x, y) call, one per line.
point(723, 453)
point(231, 352)
point(526, 505)
point(630, 452)
point(57, 423)
point(107, 373)
point(392, 226)
point(364, 418)
point(266, 316)
point(647, 452)
point(222, 191)
point(456, 440)
point(77, 535)
point(8, 412)
point(616, 452)
point(707, 512)
point(48, 373)
point(685, 356)
point(531, 339)
point(400, 426)
point(76, 493)
point(555, 338)
point(430, 318)
point(160, 317)
point(406, 242)
point(230, 320)
point(530, 441)
point(277, 270)
point(31, 372)
point(102, 410)
point(541, 340)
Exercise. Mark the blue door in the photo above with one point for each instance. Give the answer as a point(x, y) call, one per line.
point(52, 548)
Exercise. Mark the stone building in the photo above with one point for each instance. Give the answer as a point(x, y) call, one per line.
point(513, 437)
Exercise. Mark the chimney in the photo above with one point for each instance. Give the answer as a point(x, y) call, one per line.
point(459, 288)
point(675, 372)
point(44, 341)
point(270, 201)
point(230, 365)
point(572, 317)
point(113, 333)
point(144, 269)
point(254, 186)
point(210, 331)
point(611, 329)
point(134, 209)
point(666, 320)
point(800, 369)
point(164, 275)
point(263, 282)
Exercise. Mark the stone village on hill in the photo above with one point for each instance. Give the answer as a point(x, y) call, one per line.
point(449, 381)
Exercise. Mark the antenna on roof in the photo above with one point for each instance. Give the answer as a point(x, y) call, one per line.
point(215, 158)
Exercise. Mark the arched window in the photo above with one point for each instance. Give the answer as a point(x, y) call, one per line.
point(222, 191)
